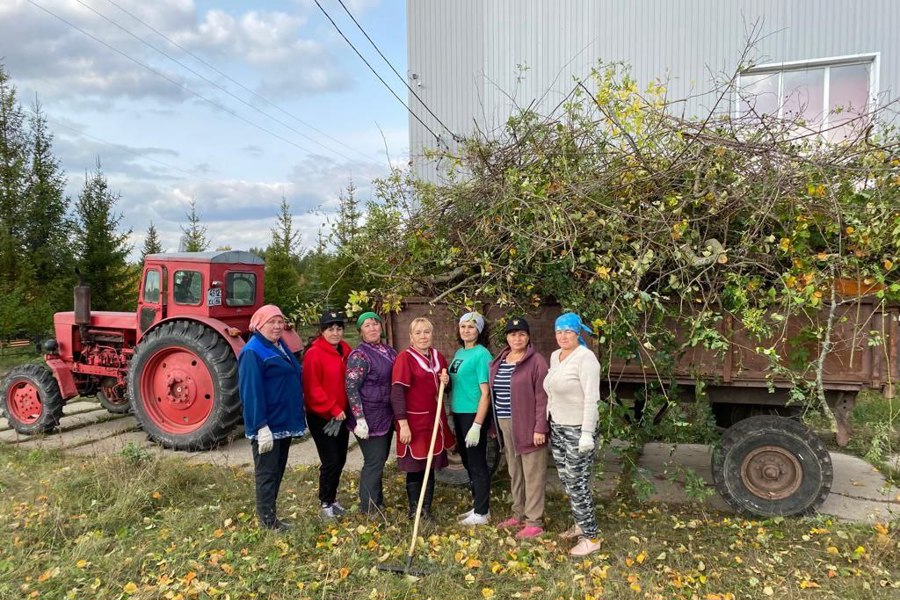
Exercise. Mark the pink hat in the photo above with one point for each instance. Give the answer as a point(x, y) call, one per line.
point(264, 315)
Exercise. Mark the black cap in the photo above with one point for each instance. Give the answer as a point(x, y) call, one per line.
point(330, 317)
point(517, 324)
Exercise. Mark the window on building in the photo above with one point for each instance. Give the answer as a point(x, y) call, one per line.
point(826, 96)
point(187, 287)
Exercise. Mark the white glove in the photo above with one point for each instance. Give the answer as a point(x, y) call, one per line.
point(586, 442)
point(473, 436)
point(264, 440)
point(362, 429)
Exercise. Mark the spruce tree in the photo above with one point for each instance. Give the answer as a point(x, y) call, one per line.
point(13, 179)
point(102, 249)
point(152, 245)
point(194, 238)
point(282, 259)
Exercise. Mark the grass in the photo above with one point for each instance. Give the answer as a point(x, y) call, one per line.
point(139, 527)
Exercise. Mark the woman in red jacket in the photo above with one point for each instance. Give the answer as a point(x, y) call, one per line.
point(325, 397)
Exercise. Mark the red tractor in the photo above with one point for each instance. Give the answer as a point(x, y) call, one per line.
point(173, 363)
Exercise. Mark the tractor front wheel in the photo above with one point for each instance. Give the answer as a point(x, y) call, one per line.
point(183, 386)
point(31, 400)
point(113, 397)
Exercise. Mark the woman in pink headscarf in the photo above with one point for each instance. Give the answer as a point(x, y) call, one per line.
point(272, 395)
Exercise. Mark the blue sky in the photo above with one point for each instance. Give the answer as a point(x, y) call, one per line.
point(178, 131)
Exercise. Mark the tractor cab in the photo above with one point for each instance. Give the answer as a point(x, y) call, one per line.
point(225, 285)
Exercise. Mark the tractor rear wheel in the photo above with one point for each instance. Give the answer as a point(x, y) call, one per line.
point(31, 400)
point(183, 386)
point(113, 397)
point(772, 466)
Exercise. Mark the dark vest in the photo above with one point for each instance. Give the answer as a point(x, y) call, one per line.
point(375, 392)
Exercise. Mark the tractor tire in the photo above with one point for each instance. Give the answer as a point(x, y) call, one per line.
point(183, 386)
point(114, 398)
point(31, 400)
point(772, 466)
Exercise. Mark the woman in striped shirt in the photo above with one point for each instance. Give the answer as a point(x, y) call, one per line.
point(520, 410)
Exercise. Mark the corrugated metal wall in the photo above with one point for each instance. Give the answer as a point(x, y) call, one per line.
point(474, 61)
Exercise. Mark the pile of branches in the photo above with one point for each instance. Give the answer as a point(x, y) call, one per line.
point(616, 208)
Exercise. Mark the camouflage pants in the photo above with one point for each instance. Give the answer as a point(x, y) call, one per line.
point(575, 470)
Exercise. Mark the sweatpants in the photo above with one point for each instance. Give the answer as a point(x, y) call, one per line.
point(575, 469)
point(528, 478)
point(375, 451)
point(332, 456)
point(474, 459)
point(268, 471)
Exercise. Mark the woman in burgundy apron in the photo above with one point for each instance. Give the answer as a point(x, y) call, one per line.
point(418, 372)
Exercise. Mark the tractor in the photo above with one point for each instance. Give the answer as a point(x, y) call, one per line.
point(173, 363)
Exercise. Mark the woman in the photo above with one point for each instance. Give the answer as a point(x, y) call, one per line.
point(573, 394)
point(417, 373)
point(324, 368)
point(368, 382)
point(470, 404)
point(269, 379)
point(519, 403)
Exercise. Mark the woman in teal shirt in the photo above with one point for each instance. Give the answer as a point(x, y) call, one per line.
point(470, 403)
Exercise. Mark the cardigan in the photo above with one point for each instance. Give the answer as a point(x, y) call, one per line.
point(573, 389)
point(528, 400)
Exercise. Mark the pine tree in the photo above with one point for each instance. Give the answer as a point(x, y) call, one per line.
point(194, 238)
point(282, 259)
point(152, 245)
point(102, 249)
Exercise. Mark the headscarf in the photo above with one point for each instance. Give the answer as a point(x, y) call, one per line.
point(473, 316)
point(365, 316)
point(263, 315)
point(571, 322)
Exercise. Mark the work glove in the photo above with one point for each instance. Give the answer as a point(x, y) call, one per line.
point(362, 429)
point(264, 440)
point(473, 436)
point(332, 427)
point(586, 442)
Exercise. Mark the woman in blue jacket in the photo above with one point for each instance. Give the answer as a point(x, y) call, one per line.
point(272, 395)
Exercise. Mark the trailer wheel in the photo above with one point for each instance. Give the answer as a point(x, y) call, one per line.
point(113, 397)
point(183, 386)
point(31, 400)
point(771, 466)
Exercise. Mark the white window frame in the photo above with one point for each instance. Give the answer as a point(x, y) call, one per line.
point(871, 58)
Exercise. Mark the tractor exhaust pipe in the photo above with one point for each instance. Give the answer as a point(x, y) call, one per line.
point(82, 302)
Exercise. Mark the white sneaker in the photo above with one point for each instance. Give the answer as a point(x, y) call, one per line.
point(476, 519)
point(466, 514)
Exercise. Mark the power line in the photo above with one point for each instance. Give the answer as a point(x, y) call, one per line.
point(374, 72)
point(399, 76)
point(237, 83)
point(209, 81)
point(172, 81)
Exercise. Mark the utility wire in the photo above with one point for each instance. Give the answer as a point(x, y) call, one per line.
point(399, 76)
point(236, 82)
point(362, 58)
point(172, 81)
point(213, 83)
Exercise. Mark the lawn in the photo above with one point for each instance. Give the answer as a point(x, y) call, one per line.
point(139, 527)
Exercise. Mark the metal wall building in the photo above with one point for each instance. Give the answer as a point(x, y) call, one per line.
point(472, 62)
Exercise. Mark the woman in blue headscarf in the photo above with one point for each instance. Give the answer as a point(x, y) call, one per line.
point(470, 404)
point(573, 394)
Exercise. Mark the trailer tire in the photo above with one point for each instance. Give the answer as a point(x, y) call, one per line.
point(772, 466)
point(31, 400)
point(183, 386)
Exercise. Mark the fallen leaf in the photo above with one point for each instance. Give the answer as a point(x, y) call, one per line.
point(130, 588)
point(218, 533)
point(641, 558)
point(487, 593)
point(807, 584)
point(768, 591)
point(832, 550)
point(343, 572)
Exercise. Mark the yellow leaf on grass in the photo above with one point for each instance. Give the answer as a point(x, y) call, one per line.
point(636, 587)
point(487, 593)
point(156, 495)
point(768, 591)
point(343, 572)
point(879, 528)
point(629, 561)
point(130, 588)
point(473, 563)
point(807, 584)
point(48, 574)
point(218, 533)
point(81, 564)
point(228, 569)
point(641, 558)
point(832, 550)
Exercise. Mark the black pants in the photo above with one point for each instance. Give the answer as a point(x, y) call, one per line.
point(474, 459)
point(268, 470)
point(332, 456)
point(375, 451)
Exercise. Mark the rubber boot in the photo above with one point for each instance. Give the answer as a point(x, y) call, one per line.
point(413, 489)
point(429, 496)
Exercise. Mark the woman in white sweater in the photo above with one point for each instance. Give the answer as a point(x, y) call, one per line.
point(573, 394)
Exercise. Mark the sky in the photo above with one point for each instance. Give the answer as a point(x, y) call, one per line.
point(231, 104)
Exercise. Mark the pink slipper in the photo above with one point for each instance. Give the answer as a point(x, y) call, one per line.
point(509, 523)
point(529, 531)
